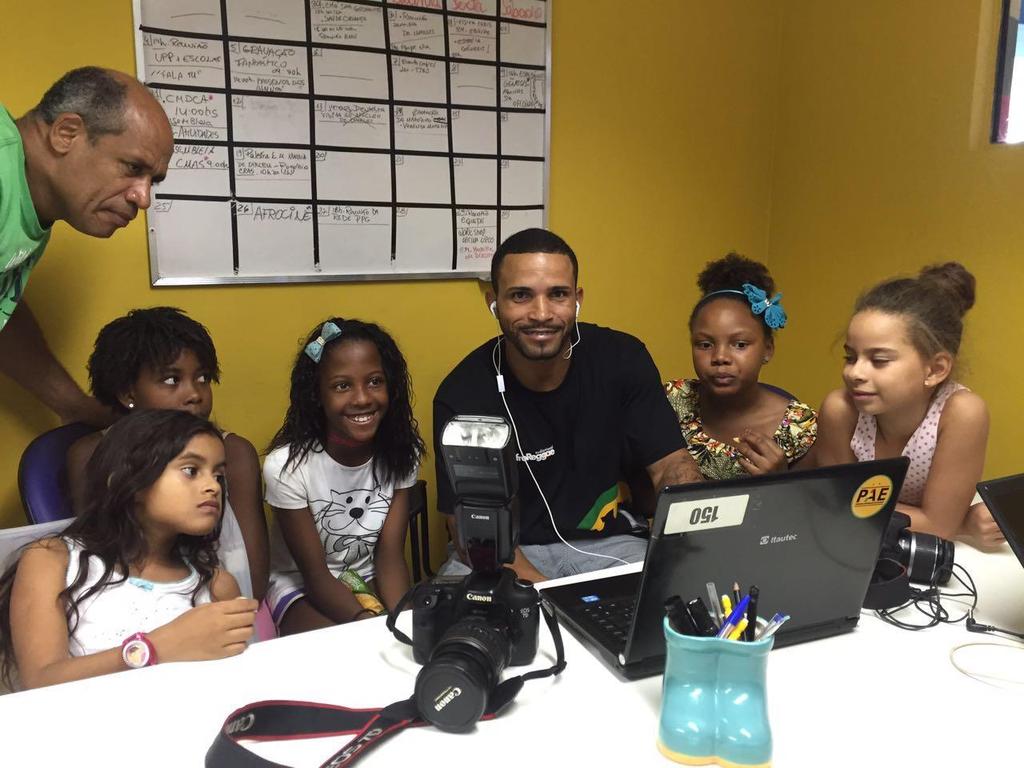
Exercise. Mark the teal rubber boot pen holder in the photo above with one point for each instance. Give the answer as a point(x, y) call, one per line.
point(713, 704)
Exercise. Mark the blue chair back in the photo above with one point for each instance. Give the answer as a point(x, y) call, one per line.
point(42, 475)
point(778, 391)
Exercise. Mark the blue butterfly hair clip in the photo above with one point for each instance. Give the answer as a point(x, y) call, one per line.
point(774, 314)
point(315, 349)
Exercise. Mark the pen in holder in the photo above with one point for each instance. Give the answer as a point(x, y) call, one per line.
point(713, 705)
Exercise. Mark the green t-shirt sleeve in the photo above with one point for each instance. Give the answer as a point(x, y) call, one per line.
point(12, 284)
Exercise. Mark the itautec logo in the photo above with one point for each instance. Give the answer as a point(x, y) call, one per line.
point(547, 453)
point(446, 698)
point(778, 539)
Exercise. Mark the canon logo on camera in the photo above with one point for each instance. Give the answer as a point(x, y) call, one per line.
point(447, 698)
point(476, 598)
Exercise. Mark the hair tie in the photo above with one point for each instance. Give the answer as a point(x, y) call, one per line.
point(315, 349)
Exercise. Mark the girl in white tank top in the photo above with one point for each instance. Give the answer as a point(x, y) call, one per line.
point(134, 580)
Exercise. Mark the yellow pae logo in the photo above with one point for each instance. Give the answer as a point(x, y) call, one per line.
point(873, 494)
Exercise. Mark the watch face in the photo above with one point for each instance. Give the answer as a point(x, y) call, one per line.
point(135, 653)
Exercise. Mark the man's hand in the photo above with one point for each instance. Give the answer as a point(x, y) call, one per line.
point(678, 468)
point(524, 569)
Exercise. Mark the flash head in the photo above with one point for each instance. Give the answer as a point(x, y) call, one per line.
point(480, 459)
point(479, 456)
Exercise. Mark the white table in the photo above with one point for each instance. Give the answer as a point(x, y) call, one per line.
point(877, 695)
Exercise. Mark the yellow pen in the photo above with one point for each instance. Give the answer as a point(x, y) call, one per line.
point(737, 633)
point(726, 606)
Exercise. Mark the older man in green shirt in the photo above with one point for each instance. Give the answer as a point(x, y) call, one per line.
point(88, 154)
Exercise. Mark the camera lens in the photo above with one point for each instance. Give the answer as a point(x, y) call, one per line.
point(453, 687)
point(928, 558)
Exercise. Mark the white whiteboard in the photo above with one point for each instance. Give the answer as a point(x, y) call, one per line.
point(330, 140)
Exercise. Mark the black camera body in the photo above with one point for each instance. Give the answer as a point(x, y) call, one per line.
point(505, 603)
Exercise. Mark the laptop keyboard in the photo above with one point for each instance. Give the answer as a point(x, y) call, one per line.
point(611, 618)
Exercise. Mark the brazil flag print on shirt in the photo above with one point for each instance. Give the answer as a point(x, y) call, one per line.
point(607, 503)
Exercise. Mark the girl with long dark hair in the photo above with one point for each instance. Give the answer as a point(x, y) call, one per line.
point(134, 579)
point(338, 474)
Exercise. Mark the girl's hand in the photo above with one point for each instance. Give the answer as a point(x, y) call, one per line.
point(760, 455)
point(980, 530)
point(209, 631)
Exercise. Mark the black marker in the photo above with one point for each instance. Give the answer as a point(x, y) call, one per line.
point(751, 630)
point(701, 618)
point(678, 617)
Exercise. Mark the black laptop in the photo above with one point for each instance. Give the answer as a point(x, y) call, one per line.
point(808, 540)
point(1005, 500)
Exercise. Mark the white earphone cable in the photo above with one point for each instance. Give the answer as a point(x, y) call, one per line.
point(996, 681)
point(572, 344)
point(496, 360)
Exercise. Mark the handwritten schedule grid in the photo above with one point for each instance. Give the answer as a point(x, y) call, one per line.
point(318, 139)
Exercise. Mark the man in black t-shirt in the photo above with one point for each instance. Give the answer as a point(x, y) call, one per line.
point(584, 400)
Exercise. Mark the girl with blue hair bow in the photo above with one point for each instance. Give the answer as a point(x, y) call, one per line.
point(733, 425)
point(338, 475)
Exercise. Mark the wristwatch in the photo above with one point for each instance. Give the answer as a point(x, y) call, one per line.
point(137, 651)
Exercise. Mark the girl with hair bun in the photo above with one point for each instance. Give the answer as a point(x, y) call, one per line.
point(900, 399)
point(733, 425)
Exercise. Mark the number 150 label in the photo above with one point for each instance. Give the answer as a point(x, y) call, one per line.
point(698, 515)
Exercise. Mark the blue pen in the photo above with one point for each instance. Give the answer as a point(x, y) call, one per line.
point(772, 629)
point(733, 621)
point(772, 626)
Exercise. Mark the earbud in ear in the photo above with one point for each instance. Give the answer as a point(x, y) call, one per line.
point(494, 308)
point(577, 309)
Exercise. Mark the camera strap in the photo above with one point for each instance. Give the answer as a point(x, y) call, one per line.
point(280, 720)
point(277, 720)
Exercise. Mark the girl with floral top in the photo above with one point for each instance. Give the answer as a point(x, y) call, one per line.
point(733, 425)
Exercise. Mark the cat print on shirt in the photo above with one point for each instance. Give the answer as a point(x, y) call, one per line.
point(350, 522)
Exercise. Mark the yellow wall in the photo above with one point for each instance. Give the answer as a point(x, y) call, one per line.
point(842, 142)
point(883, 164)
point(661, 160)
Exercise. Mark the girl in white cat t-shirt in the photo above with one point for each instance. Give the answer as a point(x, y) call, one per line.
point(337, 476)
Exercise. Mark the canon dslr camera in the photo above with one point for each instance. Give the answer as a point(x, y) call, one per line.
point(467, 630)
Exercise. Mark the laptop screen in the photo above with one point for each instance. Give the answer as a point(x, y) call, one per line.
point(1005, 500)
point(809, 540)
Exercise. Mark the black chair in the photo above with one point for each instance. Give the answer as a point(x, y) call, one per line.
point(419, 532)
